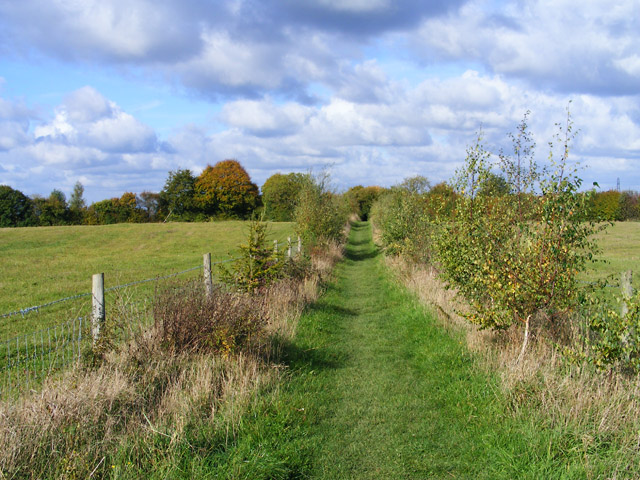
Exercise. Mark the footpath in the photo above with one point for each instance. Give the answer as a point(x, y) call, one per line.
point(378, 390)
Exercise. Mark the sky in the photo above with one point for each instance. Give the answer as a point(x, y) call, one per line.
point(117, 93)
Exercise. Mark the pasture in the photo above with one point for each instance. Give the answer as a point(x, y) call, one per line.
point(620, 246)
point(42, 264)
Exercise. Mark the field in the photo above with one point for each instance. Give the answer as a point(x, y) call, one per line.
point(620, 252)
point(42, 264)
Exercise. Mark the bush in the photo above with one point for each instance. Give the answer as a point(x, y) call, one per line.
point(320, 214)
point(516, 255)
point(187, 320)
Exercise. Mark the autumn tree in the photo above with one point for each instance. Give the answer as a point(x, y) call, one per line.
point(280, 195)
point(226, 190)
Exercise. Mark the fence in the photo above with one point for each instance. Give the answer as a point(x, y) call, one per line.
point(27, 359)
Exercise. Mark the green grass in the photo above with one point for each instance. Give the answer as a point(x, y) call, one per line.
point(620, 246)
point(42, 264)
point(378, 390)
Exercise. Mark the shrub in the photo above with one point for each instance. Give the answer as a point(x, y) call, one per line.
point(514, 256)
point(259, 264)
point(225, 322)
point(320, 214)
point(280, 195)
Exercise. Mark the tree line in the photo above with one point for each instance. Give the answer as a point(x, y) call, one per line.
point(222, 191)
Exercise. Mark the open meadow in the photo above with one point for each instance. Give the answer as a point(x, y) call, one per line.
point(620, 246)
point(43, 264)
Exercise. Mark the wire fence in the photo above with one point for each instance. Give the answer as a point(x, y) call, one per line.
point(47, 347)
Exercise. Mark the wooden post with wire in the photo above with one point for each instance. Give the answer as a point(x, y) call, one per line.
point(627, 290)
point(288, 247)
point(98, 310)
point(208, 281)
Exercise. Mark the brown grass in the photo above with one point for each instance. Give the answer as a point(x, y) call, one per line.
point(167, 377)
point(575, 398)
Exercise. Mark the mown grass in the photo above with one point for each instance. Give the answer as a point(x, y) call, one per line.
point(378, 389)
point(42, 264)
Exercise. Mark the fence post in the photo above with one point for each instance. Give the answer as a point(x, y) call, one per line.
point(627, 290)
point(208, 282)
point(299, 244)
point(275, 247)
point(288, 247)
point(98, 310)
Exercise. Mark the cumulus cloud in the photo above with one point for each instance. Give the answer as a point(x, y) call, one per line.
point(87, 119)
point(590, 49)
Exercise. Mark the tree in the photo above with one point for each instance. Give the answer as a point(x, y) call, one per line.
point(177, 196)
point(362, 198)
point(494, 185)
point(16, 209)
point(517, 256)
point(226, 190)
point(76, 202)
point(52, 210)
point(320, 214)
point(417, 184)
point(280, 195)
point(116, 210)
point(149, 202)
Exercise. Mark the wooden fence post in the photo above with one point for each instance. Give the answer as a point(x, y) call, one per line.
point(627, 290)
point(289, 247)
point(98, 310)
point(208, 282)
point(299, 244)
point(275, 246)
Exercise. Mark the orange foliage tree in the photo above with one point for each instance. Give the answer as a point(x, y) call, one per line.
point(226, 190)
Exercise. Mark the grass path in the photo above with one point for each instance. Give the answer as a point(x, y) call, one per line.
point(379, 391)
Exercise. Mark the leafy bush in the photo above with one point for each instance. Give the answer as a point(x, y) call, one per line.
point(320, 214)
point(280, 195)
point(613, 338)
point(514, 256)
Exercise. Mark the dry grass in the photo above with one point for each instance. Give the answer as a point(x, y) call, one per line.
point(593, 406)
point(157, 387)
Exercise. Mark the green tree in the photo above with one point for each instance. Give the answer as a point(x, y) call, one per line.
point(280, 194)
point(77, 204)
point(16, 209)
point(361, 199)
point(513, 257)
point(226, 190)
point(177, 198)
point(416, 184)
point(52, 210)
point(321, 214)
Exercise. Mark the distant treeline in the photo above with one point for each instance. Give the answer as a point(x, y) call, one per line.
point(225, 191)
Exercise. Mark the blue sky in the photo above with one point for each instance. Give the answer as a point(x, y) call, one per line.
point(116, 93)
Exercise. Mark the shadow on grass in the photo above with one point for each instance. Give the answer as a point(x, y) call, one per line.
point(311, 358)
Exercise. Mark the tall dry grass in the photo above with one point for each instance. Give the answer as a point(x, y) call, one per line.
point(144, 398)
point(586, 404)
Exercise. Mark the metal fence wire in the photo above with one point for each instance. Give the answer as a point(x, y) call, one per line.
point(27, 359)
